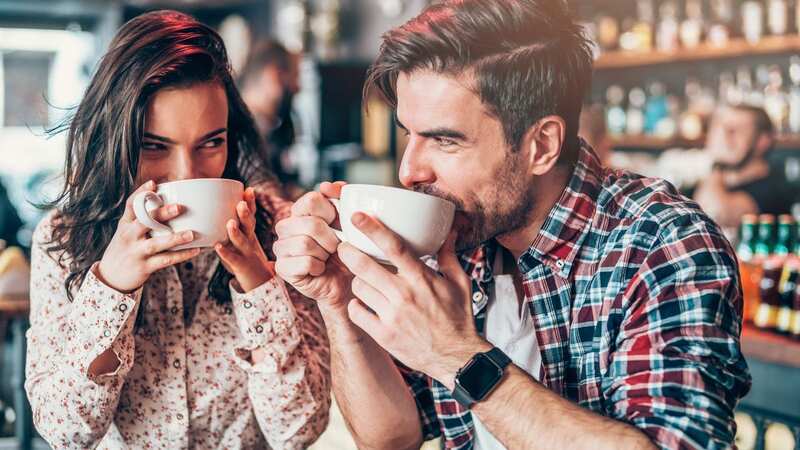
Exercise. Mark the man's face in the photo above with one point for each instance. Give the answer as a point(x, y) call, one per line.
point(458, 151)
point(732, 136)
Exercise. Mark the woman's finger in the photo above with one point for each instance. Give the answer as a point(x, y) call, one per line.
point(246, 217)
point(166, 259)
point(229, 256)
point(158, 244)
point(129, 215)
point(237, 236)
point(167, 212)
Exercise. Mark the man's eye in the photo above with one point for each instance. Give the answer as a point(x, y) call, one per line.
point(445, 142)
point(153, 146)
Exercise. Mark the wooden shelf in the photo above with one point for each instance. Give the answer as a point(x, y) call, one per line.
point(770, 347)
point(786, 142)
point(735, 48)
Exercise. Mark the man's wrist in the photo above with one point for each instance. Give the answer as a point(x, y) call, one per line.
point(447, 366)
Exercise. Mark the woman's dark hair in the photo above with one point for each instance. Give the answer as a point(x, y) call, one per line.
point(530, 59)
point(154, 51)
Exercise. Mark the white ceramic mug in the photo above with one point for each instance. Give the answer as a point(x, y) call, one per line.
point(422, 220)
point(209, 204)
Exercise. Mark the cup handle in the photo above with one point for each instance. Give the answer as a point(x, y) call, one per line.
point(339, 233)
point(143, 214)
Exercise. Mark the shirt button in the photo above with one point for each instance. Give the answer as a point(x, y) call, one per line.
point(107, 333)
point(177, 364)
point(477, 296)
point(189, 265)
point(123, 307)
point(228, 311)
point(259, 329)
point(179, 416)
point(248, 305)
point(174, 310)
point(560, 263)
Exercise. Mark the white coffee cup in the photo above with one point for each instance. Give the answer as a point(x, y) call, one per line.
point(209, 204)
point(422, 220)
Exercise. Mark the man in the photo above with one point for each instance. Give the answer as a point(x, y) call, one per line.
point(616, 299)
point(268, 83)
point(742, 181)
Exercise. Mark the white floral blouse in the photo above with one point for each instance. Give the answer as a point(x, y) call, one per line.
point(181, 383)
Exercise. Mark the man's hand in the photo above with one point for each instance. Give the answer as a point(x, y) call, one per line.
point(305, 250)
point(423, 318)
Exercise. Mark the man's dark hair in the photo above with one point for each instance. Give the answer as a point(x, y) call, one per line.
point(762, 120)
point(267, 52)
point(530, 59)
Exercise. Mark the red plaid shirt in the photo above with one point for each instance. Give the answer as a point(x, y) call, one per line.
point(635, 296)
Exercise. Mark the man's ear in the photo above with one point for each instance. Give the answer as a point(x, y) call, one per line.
point(764, 143)
point(543, 143)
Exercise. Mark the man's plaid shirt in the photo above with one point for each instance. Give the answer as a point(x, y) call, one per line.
point(636, 300)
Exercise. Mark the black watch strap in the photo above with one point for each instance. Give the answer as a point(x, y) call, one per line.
point(498, 357)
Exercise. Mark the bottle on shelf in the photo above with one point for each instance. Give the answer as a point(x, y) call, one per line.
point(787, 288)
point(749, 269)
point(752, 21)
point(785, 236)
point(668, 32)
point(770, 299)
point(776, 101)
point(656, 108)
point(607, 32)
point(635, 113)
point(766, 236)
point(719, 33)
point(615, 115)
point(692, 26)
point(778, 17)
point(794, 95)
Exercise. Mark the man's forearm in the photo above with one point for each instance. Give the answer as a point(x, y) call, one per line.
point(521, 413)
point(372, 395)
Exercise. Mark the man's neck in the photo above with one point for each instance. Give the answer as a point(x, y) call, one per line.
point(548, 190)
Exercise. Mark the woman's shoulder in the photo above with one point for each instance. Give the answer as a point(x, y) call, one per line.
point(43, 233)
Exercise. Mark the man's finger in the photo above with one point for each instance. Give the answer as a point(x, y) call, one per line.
point(366, 268)
point(363, 318)
point(449, 265)
point(391, 244)
point(294, 269)
point(299, 246)
point(314, 204)
point(313, 227)
point(370, 296)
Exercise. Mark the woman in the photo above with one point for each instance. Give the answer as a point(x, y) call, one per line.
point(133, 344)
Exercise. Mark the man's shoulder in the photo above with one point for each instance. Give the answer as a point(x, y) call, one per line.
point(631, 206)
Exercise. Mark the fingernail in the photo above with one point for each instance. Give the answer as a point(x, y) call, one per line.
point(173, 209)
point(359, 219)
point(188, 235)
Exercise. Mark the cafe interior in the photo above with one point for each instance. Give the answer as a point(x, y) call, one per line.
point(670, 77)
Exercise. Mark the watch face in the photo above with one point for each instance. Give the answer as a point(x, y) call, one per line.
point(480, 377)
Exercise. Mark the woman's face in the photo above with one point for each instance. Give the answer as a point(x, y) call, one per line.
point(185, 134)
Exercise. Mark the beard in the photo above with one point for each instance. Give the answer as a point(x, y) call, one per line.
point(506, 206)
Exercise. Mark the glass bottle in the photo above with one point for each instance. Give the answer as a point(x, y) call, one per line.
point(635, 114)
point(668, 34)
point(615, 114)
point(778, 17)
point(752, 21)
point(692, 26)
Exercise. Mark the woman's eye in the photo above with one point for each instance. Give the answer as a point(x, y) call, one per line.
point(213, 143)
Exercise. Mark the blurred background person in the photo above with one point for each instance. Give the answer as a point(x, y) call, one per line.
point(269, 82)
point(742, 181)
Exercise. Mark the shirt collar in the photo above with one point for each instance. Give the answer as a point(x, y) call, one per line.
point(563, 232)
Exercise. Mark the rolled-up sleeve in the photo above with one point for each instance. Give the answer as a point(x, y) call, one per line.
point(677, 370)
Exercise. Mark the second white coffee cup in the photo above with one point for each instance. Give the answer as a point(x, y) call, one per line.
point(209, 204)
point(422, 220)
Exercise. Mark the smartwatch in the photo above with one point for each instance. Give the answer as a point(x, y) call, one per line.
point(480, 376)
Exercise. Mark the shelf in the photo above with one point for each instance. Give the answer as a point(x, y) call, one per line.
point(787, 142)
point(735, 48)
point(770, 347)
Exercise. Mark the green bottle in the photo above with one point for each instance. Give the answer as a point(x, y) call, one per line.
point(765, 244)
point(747, 238)
point(786, 230)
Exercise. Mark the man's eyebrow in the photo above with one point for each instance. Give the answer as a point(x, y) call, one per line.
point(436, 132)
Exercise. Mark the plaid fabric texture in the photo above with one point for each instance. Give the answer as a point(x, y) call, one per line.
point(637, 304)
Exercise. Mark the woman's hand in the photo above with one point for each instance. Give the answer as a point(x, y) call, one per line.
point(131, 257)
point(243, 255)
